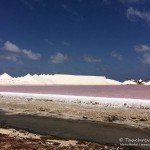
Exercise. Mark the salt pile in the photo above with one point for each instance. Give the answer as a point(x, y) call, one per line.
point(26, 80)
point(5, 76)
point(129, 82)
point(148, 83)
point(82, 80)
point(62, 79)
point(6, 79)
point(32, 80)
point(56, 79)
point(140, 81)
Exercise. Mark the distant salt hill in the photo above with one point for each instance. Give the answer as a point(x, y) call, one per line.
point(148, 83)
point(57, 79)
point(135, 82)
point(129, 82)
point(62, 79)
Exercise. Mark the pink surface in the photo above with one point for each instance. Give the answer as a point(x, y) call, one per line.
point(138, 91)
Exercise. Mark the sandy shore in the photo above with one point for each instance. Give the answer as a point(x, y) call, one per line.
point(138, 118)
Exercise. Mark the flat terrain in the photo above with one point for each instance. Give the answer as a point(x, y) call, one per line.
point(138, 117)
point(121, 91)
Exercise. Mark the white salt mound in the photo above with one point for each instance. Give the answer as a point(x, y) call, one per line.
point(6, 79)
point(57, 79)
point(82, 80)
point(32, 80)
point(5, 76)
point(148, 83)
point(62, 79)
point(129, 82)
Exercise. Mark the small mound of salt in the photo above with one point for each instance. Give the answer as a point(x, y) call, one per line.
point(5, 76)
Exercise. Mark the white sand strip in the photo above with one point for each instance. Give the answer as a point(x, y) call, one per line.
point(19, 134)
point(103, 101)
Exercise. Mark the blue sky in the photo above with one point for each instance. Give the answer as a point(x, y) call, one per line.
point(89, 37)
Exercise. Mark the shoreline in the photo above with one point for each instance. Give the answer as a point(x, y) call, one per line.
point(102, 101)
point(130, 115)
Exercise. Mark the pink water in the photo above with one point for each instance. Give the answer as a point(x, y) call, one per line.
point(138, 92)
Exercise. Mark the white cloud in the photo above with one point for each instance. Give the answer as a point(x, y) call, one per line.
point(116, 55)
point(90, 59)
point(66, 43)
point(8, 46)
point(106, 1)
point(27, 3)
point(146, 58)
point(142, 48)
point(49, 42)
point(1, 41)
point(72, 11)
point(131, 1)
point(31, 55)
point(13, 48)
point(126, 1)
point(59, 58)
point(134, 14)
point(11, 57)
